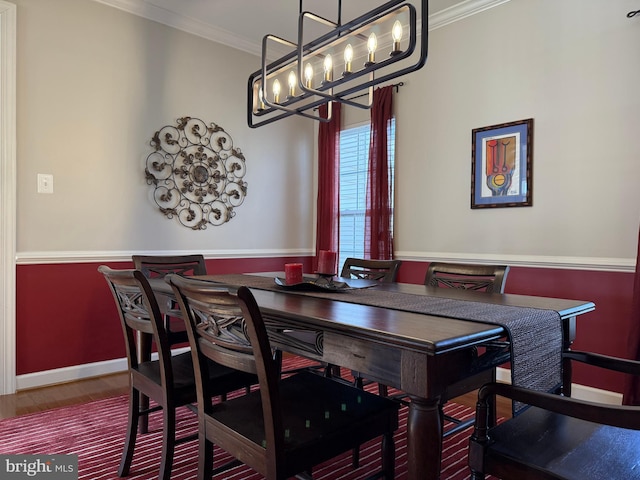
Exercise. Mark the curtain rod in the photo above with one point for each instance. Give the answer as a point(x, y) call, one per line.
point(395, 85)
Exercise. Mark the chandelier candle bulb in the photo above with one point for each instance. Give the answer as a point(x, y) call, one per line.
point(293, 273)
point(328, 69)
point(372, 45)
point(292, 85)
point(327, 262)
point(348, 58)
point(308, 75)
point(276, 91)
point(396, 34)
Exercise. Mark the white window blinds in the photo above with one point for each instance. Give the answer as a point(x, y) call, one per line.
point(354, 166)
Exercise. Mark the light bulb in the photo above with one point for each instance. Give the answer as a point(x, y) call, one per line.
point(260, 99)
point(348, 57)
point(308, 75)
point(328, 69)
point(372, 45)
point(276, 91)
point(292, 84)
point(396, 34)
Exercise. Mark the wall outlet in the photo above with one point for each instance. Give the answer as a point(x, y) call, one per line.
point(45, 183)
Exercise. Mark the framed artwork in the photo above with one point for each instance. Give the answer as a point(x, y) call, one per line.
point(501, 168)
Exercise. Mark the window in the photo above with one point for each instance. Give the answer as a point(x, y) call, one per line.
point(354, 165)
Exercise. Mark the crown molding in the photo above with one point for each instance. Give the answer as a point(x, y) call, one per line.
point(194, 26)
point(184, 23)
point(461, 11)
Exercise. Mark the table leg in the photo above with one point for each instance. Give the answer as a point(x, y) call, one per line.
point(568, 336)
point(424, 439)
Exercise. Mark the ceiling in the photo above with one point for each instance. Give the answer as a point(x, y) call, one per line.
point(242, 23)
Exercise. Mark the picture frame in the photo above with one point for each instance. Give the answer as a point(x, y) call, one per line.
point(501, 165)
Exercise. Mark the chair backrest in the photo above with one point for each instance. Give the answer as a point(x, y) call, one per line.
point(226, 326)
point(485, 278)
point(153, 266)
point(384, 271)
point(139, 313)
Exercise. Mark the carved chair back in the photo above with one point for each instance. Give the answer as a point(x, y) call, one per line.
point(485, 278)
point(384, 271)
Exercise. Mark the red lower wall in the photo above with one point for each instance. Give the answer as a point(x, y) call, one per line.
point(65, 313)
point(604, 330)
point(66, 316)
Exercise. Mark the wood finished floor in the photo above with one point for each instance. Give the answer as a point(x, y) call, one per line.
point(83, 391)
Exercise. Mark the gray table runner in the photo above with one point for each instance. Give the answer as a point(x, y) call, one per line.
point(535, 334)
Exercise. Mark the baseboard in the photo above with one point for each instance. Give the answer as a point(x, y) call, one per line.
point(69, 374)
point(581, 392)
point(77, 372)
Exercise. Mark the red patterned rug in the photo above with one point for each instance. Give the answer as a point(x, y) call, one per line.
point(95, 432)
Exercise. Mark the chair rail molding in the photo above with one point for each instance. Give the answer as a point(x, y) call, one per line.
point(527, 261)
point(8, 196)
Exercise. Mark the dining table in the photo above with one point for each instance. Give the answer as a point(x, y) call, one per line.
point(431, 357)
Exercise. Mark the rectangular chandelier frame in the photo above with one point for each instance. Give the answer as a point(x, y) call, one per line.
point(264, 104)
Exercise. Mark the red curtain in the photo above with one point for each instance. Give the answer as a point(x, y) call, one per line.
point(328, 213)
point(378, 235)
point(632, 387)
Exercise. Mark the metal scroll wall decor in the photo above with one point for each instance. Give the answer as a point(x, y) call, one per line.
point(196, 173)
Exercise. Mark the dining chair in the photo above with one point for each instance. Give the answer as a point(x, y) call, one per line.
point(383, 271)
point(157, 266)
point(558, 437)
point(482, 278)
point(168, 380)
point(290, 424)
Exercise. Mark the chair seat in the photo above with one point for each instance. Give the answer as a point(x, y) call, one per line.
point(559, 445)
point(315, 411)
point(223, 379)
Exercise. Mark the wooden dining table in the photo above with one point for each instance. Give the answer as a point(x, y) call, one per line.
point(428, 357)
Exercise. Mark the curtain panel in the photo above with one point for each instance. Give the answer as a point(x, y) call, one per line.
point(328, 205)
point(378, 235)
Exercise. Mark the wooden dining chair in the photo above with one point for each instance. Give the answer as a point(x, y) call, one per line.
point(558, 437)
point(168, 380)
point(158, 266)
point(290, 424)
point(384, 271)
point(482, 278)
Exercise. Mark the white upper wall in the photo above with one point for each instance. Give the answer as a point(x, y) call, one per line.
point(94, 85)
point(572, 66)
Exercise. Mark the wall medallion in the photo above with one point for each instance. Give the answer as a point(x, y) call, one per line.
point(196, 173)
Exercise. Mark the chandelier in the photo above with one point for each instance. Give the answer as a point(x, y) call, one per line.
point(341, 65)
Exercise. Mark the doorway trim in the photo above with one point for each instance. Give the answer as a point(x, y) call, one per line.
point(8, 197)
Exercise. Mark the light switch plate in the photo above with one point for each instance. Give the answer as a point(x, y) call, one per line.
point(45, 183)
